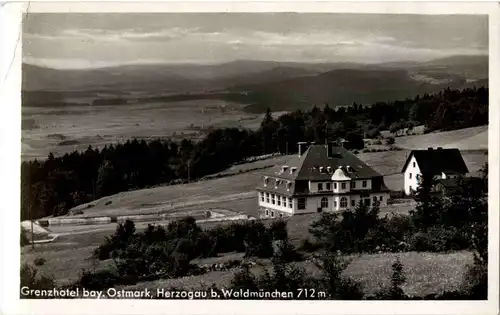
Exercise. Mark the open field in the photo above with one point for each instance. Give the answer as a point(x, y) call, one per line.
point(426, 273)
point(62, 130)
point(475, 138)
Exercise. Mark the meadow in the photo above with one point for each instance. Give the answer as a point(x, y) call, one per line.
point(65, 129)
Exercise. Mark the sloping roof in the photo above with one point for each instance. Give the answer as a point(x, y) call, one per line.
point(317, 165)
point(308, 165)
point(437, 161)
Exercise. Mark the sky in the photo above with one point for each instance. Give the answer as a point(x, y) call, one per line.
point(90, 40)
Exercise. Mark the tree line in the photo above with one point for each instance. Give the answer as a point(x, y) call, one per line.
point(55, 185)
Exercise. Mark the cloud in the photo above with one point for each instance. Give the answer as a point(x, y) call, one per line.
point(129, 39)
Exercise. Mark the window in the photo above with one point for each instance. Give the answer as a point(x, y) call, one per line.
point(320, 186)
point(343, 202)
point(262, 196)
point(281, 215)
point(273, 199)
point(413, 164)
point(272, 214)
point(290, 203)
point(353, 184)
point(343, 185)
point(374, 199)
point(267, 212)
point(267, 197)
point(367, 202)
point(301, 203)
point(335, 203)
point(381, 198)
point(334, 185)
point(279, 200)
point(409, 175)
point(284, 201)
point(353, 203)
point(324, 202)
point(365, 184)
point(328, 186)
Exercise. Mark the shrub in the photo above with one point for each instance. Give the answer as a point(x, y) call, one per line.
point(377, 142)
point(372, 133)
point(258, 241)
point(39, 261)
point(308, 246)
point(100, 280)
point(286, 252)
point(278, 230)
point(438, 239)
point(332, 283)
point(24, 238)
point(390, 140)
point(30, 279)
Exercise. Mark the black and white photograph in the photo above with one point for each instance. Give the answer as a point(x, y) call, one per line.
point(254, 156)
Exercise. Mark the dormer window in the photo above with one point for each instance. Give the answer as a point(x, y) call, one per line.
point(329, 169)
point(288, 186)
point(292, 170)
point(284, 168)
point(276, 183)
point(266, 181)
point(321, 169)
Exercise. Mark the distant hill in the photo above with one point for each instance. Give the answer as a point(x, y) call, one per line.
point(342, 87)
point(280, 85)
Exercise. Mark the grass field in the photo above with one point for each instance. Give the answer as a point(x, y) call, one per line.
point(426, 273)
point(62, 130)
point(475, 138)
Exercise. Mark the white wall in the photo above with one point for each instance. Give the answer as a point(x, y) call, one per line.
point(339, 189)
point(270, 205)
point(411, 183)
point(312, 204)
point(359, 184)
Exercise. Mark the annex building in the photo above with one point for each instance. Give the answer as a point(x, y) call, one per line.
point(442, 164)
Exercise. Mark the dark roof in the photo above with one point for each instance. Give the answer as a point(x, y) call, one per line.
point(436, 161)
point(307, 167)
point(316, 156)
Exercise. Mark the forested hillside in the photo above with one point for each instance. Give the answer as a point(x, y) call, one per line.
point(53, 186)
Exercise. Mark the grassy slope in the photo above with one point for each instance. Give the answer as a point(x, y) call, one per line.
point(426, 272)
point(236, 192)
point(475, 138)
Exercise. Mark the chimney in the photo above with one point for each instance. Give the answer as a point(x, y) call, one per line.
point(439, 148)
point(329, 149)
point(302, 147)
point(430, 148)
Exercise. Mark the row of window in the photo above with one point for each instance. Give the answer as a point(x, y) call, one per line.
point(342, 185)
point(276, 199)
